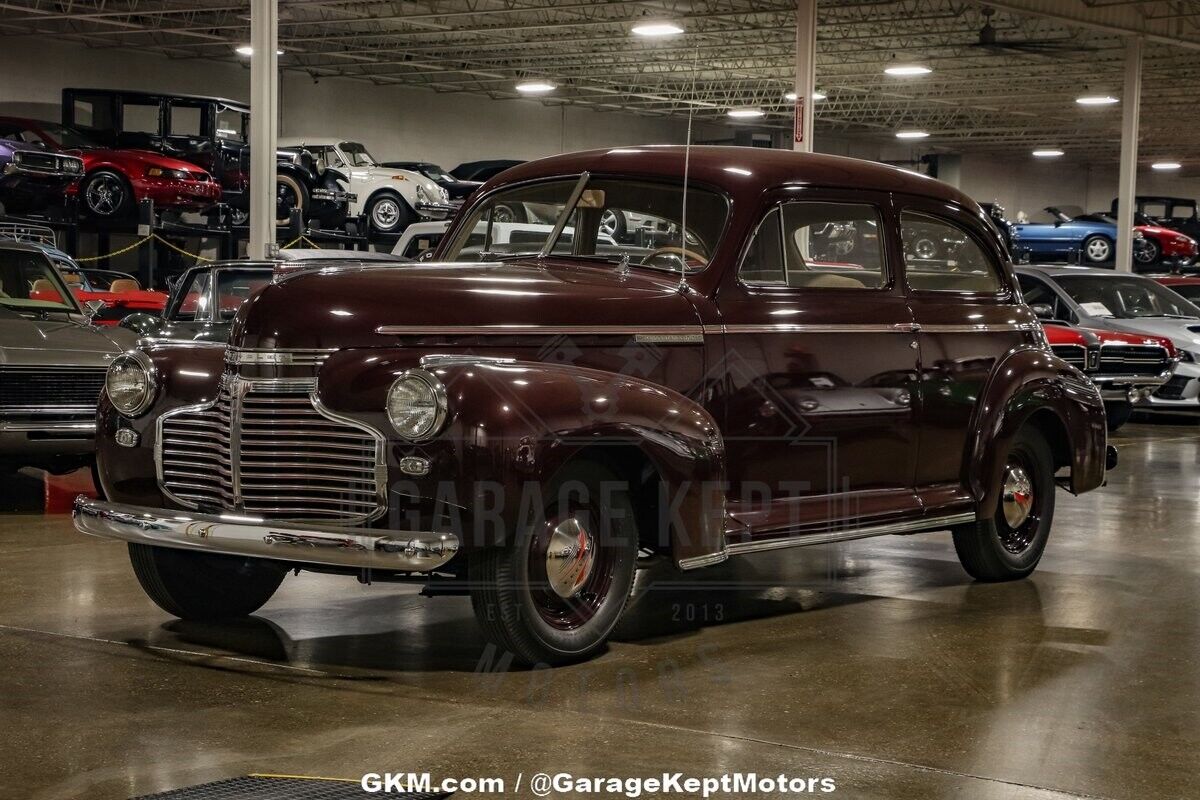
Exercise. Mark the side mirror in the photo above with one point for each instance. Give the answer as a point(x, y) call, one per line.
point(426, 255)
point(1043, 310)
point(141, 323)
point(92, 308)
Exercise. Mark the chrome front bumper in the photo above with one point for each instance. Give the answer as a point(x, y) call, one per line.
point(235, 535)
point(1128, 387)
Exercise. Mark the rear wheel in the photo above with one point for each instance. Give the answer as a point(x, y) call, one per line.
point(204, 586)
point(388, 213)
point(1008, 542)
point(107, 195)
point(553, 594)
point(1148, 254)
point(289, 194)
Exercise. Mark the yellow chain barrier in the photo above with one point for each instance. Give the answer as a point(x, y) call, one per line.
point(139, 243)
point(122, 251)
point(300, 239)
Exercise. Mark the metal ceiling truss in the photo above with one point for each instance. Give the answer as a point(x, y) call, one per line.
point(734, 53)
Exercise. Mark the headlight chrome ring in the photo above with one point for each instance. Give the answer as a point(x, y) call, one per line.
point(417, 405)
point(131, 383)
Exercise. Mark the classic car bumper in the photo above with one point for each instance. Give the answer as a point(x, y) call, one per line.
point(1128, 387)
point(232, 534)
point(436, 210)
point(333, 196)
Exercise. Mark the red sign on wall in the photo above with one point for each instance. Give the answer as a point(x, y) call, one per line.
point(798, 132)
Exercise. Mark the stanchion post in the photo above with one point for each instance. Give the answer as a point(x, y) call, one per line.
point(71, 225)
point(146, 254)
point(295, 224)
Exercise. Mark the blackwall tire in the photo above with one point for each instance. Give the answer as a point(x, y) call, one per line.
point(388, 213)
point(994, 549)
point(203, 586)
point(1148, 255)
point(1096, 249)
point(516, 590)
point(106, 194)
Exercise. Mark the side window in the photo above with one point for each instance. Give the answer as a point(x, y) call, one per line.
point(139, 118)
point(763, 262)
point(1036, 291)
point(185, 120)
point(833, 246)
point(942, 257)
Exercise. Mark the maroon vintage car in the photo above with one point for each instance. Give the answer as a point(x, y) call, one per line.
point(761, 367)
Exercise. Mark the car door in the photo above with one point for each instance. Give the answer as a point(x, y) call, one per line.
point(963, 302)
point(820, 366)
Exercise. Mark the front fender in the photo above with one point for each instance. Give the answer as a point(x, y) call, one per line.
point(513, 424)
point(1030, 385)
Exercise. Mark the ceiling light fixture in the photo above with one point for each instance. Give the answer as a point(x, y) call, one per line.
point(1165, 166)
point(911, 134)
point(791, 96)
point(535, 87)
point(819, 95)
point(1096, 100)
point(745, 113)
point(1047, 152)
point(656, 28)
point(903, 70)
point(247, 50)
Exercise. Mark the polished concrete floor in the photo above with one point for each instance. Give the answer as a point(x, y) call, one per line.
point(878, 663)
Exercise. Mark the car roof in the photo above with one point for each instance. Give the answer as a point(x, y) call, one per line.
point(22, 246)
point(728, 167)
point(1058, 270)
point(237, 104)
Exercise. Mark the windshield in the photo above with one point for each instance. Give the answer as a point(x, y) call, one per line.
point(436, 173)
point(1125, 297)
point(234, 287)
point(62, 136)
point(357, 155)
point(612, 219)
point(28, 281)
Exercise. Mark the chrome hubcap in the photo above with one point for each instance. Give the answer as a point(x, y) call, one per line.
point(1018, 496)
point(608, 223)
point(503, 214)
point(386, 213)
point(569, 558)
point(104, 195)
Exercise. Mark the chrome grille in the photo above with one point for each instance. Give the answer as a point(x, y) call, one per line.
point(1133, 359)
point(1073, 354)
point(265, 448)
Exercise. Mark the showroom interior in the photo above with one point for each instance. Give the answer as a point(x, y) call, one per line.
point(830, 309)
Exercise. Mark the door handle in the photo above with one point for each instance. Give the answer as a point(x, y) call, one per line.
point(906, 327)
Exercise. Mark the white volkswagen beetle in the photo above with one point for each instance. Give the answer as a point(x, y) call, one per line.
point(392, 199)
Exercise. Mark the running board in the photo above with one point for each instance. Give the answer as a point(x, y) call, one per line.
point(924, 525)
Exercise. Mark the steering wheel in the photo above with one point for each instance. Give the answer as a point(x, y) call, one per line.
point(682, 253)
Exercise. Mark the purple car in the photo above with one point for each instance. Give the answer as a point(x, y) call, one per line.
point(32, 177)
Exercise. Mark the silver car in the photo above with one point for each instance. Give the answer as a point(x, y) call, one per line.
point(1101, 298)
point(52, 365)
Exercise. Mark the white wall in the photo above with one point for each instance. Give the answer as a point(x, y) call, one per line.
point(393, 122)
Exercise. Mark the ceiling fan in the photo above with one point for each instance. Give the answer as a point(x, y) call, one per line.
point(988, 40)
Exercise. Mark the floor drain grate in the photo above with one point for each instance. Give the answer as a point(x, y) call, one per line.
point(260, 787)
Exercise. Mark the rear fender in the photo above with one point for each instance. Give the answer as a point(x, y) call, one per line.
point(1035, 387)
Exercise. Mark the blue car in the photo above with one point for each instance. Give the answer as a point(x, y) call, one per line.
point(1090, 236)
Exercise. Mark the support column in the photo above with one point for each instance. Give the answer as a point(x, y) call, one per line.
point(806, 74)
point(1131, 102)
point(264, 125)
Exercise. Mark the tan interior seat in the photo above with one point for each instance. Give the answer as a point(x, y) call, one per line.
point(43, 285)
point(124, 285)
point(824, 280)
point(71, 278)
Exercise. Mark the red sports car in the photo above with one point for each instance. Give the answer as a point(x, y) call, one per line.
point(1125, 366)
point(120, 293)
point(1164, 246)
point(1186, 285)
point(115, 180)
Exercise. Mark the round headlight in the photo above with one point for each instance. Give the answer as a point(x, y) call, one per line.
point(416, 405)
point(130, 383)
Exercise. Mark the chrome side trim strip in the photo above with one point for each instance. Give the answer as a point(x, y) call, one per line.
point(669, 338)
point(88, 427)
point(249, 536)
point(848, 327)
point(982, 328)
point(847, 534)
point(706, 560)
point(452, 360)
point(519, 329)
point(234, 355)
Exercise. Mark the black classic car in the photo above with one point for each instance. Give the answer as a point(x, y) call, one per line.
point(32, 178)
point(213, 133)
point(457, 188)
point(203, 303)
point(1176, 213)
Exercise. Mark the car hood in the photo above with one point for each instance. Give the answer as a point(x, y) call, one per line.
point(1158, 230)
point(1184, 334)
point(344, 307)
point(58, 340)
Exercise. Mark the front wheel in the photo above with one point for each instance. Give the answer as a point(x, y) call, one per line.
point(289, 194)
point(1148, 254)
point(204, 586)
point(388, 213)
point(1096, 249)
point(1008, 542)
point(553, 594)
point(107, 195)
